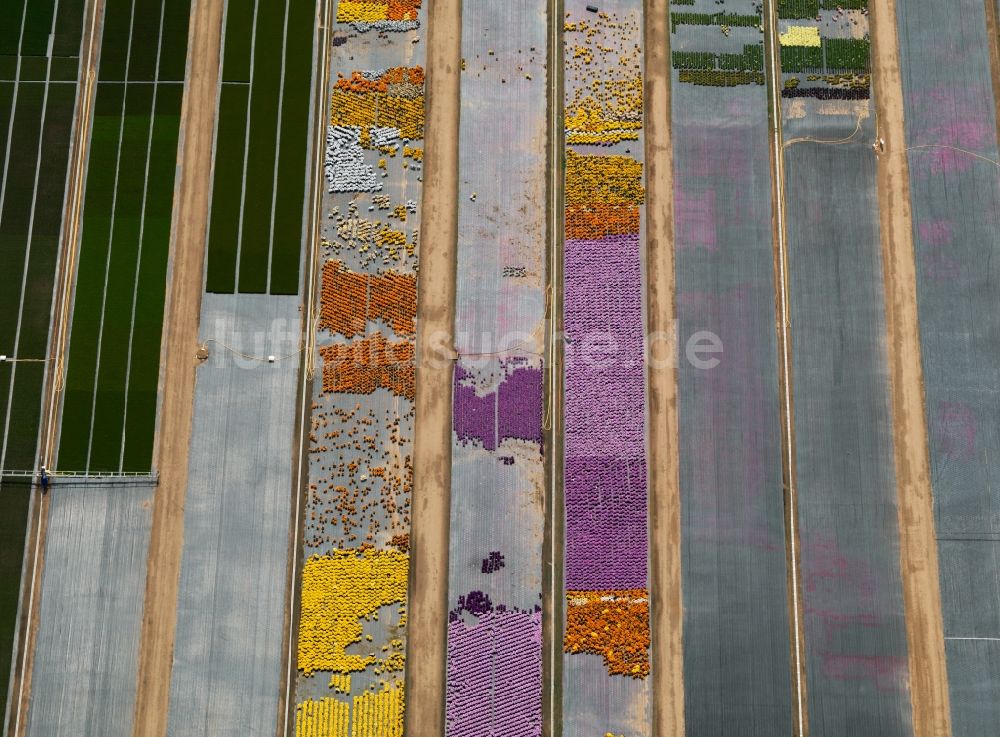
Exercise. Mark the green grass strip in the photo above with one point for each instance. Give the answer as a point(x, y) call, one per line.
point(115, 40)
point(11, 14)
point(13, 529)
point(17, 206)
point(33, 337)
point(34, 68)
point(227, 187)
point(145, 369)
point(238, 37)
point(33, 340)
point(48, 217)
point(106, 444)
point(64, 68)
point(173, 52)
point(733, 20)
point(37, 26)
point(286, 251)
point(69, 28)
point(82, 359)
point(145, 40)
point(8, 67)
point(25, 410)
point(255, 243)
point(794, 9)
point(6, 108)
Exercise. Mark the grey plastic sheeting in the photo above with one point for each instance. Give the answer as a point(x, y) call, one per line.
point(948, 101)
point(855, 631)
point(93, 587)
point(497, 502)
point(228, 649)
point(734, 575)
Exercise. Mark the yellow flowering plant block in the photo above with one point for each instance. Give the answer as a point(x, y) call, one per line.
point(338, 591)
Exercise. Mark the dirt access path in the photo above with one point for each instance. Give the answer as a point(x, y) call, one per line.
point(430, 515)
point(918, 541)
point(666, 599)
point(190, 219)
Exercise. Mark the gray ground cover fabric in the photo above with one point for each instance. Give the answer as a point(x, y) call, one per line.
point(90, 611)
point(856, 648)
point(737, 678)
point(948, 99)
point(228, 649)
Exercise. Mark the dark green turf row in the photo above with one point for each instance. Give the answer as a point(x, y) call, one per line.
point(111, 401)
point(11, 12)
point(33, 341)
point(8, 67)
point(82, 358)
point(37, 299)
point(259, 181)
point(238, 35)
point(106, 443)
point(115, 40)
point(49, 202)
point(17, 205)
point(13, 526)
point(37, 26)
point(290, 203)
point(227, 185)
point(173, 51)
point(145, 36)
point(145, 369)
point(6, 108)
point(34, 68)
point(64, 68)
point(69, 28)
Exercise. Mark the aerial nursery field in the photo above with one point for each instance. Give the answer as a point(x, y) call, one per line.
point(856, 660)
point(950, 117)
point(112, 370)
point(494, 652)
point(37, 95)
point(733, 570)
point(258, 196)
point(606, 666)
point(353, 587)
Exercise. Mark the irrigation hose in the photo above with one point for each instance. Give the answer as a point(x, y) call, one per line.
point(837, 142)
point(953, 148)
point(247, 357)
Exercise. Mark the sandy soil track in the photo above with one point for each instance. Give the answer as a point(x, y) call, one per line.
point(430, 516)
point(190, 219)
point(666, 605)
point(918, 541)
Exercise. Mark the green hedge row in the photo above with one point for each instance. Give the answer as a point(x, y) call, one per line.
point(721, 79)
point(847, 54)
point(694, 59)
point(751, 60)
point(713, 19)
point(798, 8)
point(801, 58)
point(845, 4)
